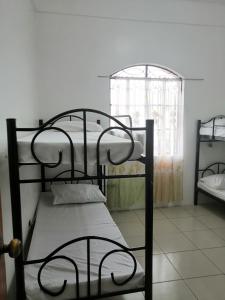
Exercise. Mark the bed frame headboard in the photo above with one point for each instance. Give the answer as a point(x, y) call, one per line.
point(212, 169)
point(81, 114)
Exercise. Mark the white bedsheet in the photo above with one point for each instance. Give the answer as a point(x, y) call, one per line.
point(219, 132)
point(58, 224)
point(48, 144)
point(217, 193)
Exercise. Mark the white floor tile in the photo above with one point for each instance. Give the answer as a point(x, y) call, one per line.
point(220, 232)
point(141, 215)
point(217, 256)
point(197, 211)
point(131, 229)
point(188, 224)
point(173, 242)
point(158, 215)
point(180, 229)
point(205, 239)
point(135, 240)
point(139, 241)
point(156, 248)
point(175, 212)
point(208, 288)
point(124, 217)
point(173, 290)
point(162, 268)
point(192, 264)
point(163, 227)
point(212, 221)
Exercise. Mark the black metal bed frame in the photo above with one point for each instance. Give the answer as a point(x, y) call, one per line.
point(15, 181)
point(215, 168)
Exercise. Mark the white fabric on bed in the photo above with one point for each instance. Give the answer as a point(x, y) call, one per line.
point(208, 131)
point(76, 193)
point(215, 192)
point(215, 181)
point(56, 225)
point(78, 126)
point(48, 144)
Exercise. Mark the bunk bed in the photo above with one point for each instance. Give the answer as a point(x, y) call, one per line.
point(211, 179)
point(76, 250)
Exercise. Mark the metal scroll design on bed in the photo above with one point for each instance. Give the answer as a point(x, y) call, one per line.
point(215, 168)
point(54, 256)
point(51, 125)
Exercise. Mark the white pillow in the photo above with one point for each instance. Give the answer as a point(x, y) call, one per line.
point(220, 121)
point(76, 193)
point(216, 181)
point(77, 126)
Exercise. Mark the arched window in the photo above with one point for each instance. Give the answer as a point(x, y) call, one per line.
point(151, 92)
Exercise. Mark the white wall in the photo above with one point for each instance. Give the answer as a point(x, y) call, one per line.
point(18, 99)
point(84, 42)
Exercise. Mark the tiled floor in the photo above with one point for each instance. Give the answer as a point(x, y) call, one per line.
point(189, 251)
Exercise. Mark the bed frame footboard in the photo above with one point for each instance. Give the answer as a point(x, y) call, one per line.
point(55, 255)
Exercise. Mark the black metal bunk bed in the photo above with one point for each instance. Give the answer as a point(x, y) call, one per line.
point(211, 131)
point(99, 176)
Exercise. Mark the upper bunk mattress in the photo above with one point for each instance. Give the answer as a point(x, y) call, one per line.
point(48, 144)
point(208, 132)
point(58, 224)
point(214, 192)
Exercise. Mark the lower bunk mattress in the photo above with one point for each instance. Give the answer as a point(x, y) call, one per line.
point(58, 224)
point(214, 192)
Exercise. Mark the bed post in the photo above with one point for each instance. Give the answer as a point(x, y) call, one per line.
point(16, 204)
point(43, 187)
point(197, 162)
point(100, 181)
point(149, 208)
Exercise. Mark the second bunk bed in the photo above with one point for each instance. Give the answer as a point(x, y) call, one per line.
point(210, 180)
point(76, 250)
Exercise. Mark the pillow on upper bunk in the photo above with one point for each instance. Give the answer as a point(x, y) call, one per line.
point(77, 126)
point(216, 181)
point(76, 193)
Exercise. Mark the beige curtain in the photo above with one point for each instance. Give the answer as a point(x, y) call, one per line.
point(168, 181)
point(129, 193)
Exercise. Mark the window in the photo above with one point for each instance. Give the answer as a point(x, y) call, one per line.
point(151, 92)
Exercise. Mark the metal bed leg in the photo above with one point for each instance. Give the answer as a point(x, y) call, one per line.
point(196, 197)
point(149, 208)
point(197, 163)
point(16, 205)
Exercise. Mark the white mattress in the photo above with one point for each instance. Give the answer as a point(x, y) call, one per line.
point(219, 132)
point(58, 224)
point(215, 192)
point(48, 144)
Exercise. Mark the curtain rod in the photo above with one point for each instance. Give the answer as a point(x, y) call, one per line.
point(155, 79)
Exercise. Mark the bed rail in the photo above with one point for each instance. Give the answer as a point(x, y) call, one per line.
point(55, 255)
point(212, 169)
